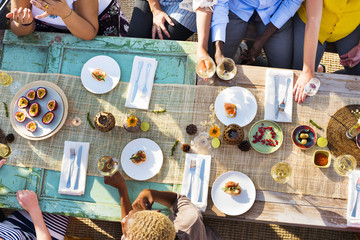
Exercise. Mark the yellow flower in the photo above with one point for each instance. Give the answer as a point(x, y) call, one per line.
point(132, 121)
point(214, 131)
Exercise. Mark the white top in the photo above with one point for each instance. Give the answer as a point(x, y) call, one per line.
point(56, 21)
point(193, 5)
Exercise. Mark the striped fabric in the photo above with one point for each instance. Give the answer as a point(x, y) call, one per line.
point(19, 226)
point(184, 17)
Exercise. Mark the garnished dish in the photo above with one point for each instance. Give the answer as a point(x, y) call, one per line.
point(232, 188)
point(99, 75)
point(266, 136)
point(230, 110)
point(138, 157)
point(304, 137)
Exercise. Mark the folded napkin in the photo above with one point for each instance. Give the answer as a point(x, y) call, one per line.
point(141, 82)
point(200, 185)
point(353, 221)
point(272, 101)
point(65, 168)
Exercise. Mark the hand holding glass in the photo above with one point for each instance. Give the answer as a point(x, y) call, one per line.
point(107, 166)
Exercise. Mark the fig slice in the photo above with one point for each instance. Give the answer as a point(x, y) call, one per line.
point(23, 102)
point(52, 105)
point(48, 118)
point(31, 126)
point(20, 117)
point(34, 110)
point(30, 95)
point(41, 92)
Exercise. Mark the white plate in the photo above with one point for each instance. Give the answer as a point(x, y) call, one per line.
point(147, 169)
point(245, 102)
point(106, 64)
point(233, 205)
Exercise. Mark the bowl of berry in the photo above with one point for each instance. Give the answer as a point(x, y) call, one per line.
point(304, 137)
point(265, 136)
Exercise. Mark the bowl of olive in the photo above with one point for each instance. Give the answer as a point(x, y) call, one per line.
point(304, 137)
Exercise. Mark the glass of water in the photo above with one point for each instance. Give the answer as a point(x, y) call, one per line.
point(312, 87)
point(107, 166)
point(5, 79)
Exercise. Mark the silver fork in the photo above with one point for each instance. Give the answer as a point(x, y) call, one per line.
point(283, 102)
point(357, 186)
point(192, 171)
point(72, 160)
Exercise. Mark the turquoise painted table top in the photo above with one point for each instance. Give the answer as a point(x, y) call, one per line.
point(63, 53)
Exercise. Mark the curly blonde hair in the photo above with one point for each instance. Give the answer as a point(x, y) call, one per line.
point(150, 225)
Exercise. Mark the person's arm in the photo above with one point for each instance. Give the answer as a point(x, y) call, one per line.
point(203, 21)
point(351, 58)
point(159, 19)
point(22, 21)
point(312, 28)
point(147, 197)
point(219, 21)
point(28, 200)
point(2, 162)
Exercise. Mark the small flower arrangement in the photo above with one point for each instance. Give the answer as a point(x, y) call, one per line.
point(215, 131)
point(132, 122)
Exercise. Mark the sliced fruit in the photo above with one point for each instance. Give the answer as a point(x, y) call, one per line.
point(34, 110)
point(51, 105)
point(144, 126)
point(22, 102)
point(30, 95)
point(20, 117)
point(215, 143)
point(230, 110)
point(48, 118)
point(322, 142)
point(31, 126)
point(41, 92)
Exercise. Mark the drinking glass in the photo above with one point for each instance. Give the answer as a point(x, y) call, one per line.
point(354, 130)
point(281, 172)
point(344, 165)
point(5, 150)
point(5, 79)
point(107, 166)
point(226, 69)
point(312, 87)
point(206, 67)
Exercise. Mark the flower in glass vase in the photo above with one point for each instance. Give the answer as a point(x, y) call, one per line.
point(132, 123)
point(214, 131)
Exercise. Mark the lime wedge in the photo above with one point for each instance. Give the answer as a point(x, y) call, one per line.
point(215, 143)
point(145, 126)
point(322, 142)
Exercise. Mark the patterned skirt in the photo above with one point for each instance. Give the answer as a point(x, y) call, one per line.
point(112, 22)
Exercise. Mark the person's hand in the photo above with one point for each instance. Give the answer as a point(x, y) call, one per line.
point(203, 55)
point(28, 200)
point(351, 58)
point(52, 7)
point(219, 56)
point(144, 201)
point(21, 16)
point(159, 19)
point(249, 56)
point(298, 91)
point(116, 180)
point(2, 162)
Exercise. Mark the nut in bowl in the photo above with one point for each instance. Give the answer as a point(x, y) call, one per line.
point(304, 137)
point(322, 159)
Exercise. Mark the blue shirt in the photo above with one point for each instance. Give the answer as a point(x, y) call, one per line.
point(278, 12)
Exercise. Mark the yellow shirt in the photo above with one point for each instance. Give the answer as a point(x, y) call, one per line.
point(339, 19)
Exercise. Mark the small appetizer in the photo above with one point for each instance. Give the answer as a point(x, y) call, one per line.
point(30, 95)
point(41, 92)
point(22, 102)
point(51, 105)
point(232, 188)
point(48, 118)
point(34, 110)
point(230, 110)
point(31, 126)
point(20, 117)
point(99, 75)
point(138, 157)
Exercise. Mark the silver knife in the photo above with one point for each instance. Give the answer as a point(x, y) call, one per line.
point(202, 172)
point(78, 162)
point(140, 65)
point(276, 97)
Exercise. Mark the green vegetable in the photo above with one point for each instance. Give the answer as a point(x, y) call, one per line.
point(6, 110)
point(317, 126)
point(174, 147)
point(89, 121)
point(159, 111)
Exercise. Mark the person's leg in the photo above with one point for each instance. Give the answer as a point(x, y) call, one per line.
point(345, 45)
point(141, 20)
point(298, 54)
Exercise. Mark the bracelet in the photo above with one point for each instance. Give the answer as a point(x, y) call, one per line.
point(67, 15)
point(27, 24)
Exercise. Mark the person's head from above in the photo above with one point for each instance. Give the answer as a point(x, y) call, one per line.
point(147, 225)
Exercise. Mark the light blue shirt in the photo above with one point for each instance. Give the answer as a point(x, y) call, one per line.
point(278, 12)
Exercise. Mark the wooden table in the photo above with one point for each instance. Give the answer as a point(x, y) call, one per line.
point(58, 53)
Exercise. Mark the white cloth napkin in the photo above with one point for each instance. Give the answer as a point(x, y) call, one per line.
point(353, 221)
point(196, 184)
point(145, 82)
point(65, 168)
point(270, 105)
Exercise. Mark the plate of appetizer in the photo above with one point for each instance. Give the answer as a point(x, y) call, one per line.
point(141, 159)
point(38, 110)
point(235, 105)
point(100, 74)
point(265, 136)
point(233, 193)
